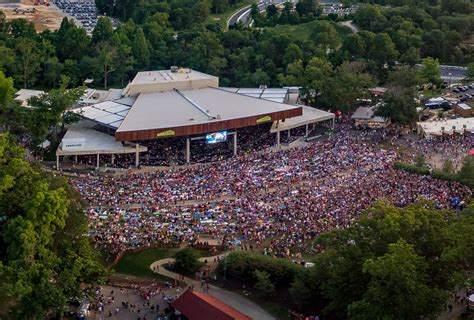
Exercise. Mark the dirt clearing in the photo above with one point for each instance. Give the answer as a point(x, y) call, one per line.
point(43, 17)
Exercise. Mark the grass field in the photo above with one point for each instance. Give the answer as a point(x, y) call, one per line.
point(137, 264)
point(222, 18)
point(302, 32)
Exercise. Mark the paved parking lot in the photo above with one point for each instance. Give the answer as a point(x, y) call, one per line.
point(83, 11)
point(464, 93)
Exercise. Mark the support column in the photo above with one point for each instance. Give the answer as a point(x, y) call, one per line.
point(137, 156)
point(113, 159)
point(235, 143)
point(333, 122)
point(278, 139)
point(57, 163)
point(98, 161)
point(75, 159)
point(188, 150)
point(307, 130)
point(289, 135)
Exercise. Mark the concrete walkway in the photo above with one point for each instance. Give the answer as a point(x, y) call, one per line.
point(233, 299)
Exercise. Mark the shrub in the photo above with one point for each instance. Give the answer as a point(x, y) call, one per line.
point(412, 168)
point(186, 261)
point(241, 265)
point(263, 287)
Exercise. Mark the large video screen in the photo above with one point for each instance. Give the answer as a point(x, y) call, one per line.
point(216, 137)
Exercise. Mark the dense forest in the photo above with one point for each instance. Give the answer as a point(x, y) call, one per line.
point(159, 34)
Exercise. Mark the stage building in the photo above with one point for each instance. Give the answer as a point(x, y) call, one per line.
point(184, 104)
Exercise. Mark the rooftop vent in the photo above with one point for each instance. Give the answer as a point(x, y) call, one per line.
point(174, 69)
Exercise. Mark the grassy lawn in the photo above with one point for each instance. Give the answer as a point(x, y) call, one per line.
point(222, 18)
point(432, 93)
point(302, 32)
point(137, 264)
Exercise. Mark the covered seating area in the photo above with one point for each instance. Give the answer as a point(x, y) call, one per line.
point(82, 139)
point(308, 119)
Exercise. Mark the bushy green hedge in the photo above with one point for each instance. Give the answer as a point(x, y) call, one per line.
point(412, 168)
point(242, 265)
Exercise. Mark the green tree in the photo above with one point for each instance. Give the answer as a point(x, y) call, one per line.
point(299, 292)
point(8, 58)
point(466, 173)
point(47, 112)
point(410, 57)
point(355, 45)
point(263, 286)
point(6, 92)
point(52, 71)
point(383, 50)
point(186, 261)
point(399, 287)
point(46, 258)
point(349, 83)
point(72, 42)
point(27, 61)
point(219, 6)
point(369, 17)
point(399, 106)
point(106, 60)
point(431, 71)
point(325, 36)
point(470, 71)
point(418, 241)
point(420, 161)
point(141, 49)
point(103, 30)
point(292, 53)
point(448, 167)
point(404, 77)
point(260, 77)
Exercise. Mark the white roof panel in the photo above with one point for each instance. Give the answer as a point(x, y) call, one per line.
point(93, 113)
point(250, 90)
point(310, 115)
point(123, 113)
point(276, 90)
point(116, 124)
point(174, 109)
point(118, 108)
point(110, 118)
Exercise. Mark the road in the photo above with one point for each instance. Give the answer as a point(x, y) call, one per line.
point(350, 25)
point(243, 15)
point(233, 299)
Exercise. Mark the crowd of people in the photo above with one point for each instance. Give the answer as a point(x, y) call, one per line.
point(133, 301)
point(276, 200)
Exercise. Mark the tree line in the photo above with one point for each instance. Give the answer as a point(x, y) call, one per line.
point(46, 262)
point(241, 57)
point(394, 263)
